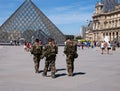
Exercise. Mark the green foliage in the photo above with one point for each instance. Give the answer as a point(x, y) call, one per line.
point(78, 37)
point(70, 36)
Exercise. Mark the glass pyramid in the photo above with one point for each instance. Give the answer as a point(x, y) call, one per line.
point(28, 22)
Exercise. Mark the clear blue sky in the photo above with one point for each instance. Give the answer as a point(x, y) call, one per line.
point(67, 15)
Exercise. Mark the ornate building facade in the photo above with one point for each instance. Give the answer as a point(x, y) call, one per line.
point(106, 21)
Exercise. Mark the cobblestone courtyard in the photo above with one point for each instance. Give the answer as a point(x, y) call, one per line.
point(93, 71)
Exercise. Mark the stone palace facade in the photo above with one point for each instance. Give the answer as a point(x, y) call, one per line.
point(106, 23)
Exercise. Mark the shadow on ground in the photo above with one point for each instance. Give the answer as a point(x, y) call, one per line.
point(79, 73)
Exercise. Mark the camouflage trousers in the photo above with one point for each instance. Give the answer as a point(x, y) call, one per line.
point(50, 62)
point(70, 64)
point(36, 59)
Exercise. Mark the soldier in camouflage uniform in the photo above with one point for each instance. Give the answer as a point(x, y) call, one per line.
point(36, 50)
point(50, 51)
point(70, 51)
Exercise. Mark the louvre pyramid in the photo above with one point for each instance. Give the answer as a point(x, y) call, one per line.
point(28, 22)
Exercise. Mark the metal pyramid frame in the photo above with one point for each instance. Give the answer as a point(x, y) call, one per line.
point(28, 22)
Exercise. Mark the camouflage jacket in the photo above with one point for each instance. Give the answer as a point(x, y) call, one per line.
point(70, 48)
point(50, 50)
point(36, 49)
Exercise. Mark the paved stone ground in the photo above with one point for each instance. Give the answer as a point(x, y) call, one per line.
point(93, 71)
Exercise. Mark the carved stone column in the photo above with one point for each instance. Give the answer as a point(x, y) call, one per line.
point(119, 33)
point(113, 35)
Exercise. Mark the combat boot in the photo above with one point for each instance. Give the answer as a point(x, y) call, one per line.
point(44, 74)
point(53, 76)
point(36, 71)
point(70, 74)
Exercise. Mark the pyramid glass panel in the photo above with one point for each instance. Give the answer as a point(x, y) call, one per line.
point(28, 22)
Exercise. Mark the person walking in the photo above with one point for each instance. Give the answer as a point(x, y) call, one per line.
point(102, 47)
point(50, 51)
point(82, 45)
point(70, 51)
point(36, 50)
point(108, 47)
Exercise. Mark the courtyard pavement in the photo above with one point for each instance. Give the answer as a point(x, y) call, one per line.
point(93, 71)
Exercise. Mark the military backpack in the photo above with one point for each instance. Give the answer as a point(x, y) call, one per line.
point(37, 49)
